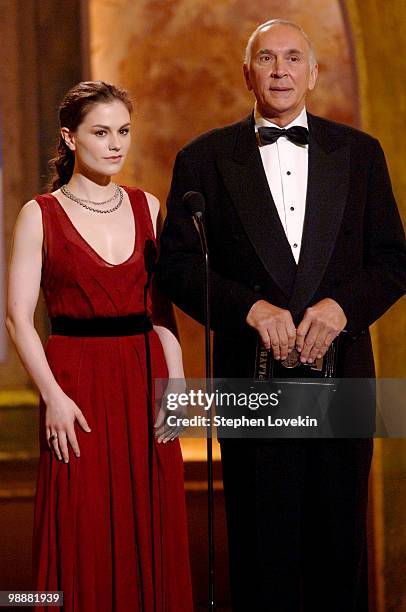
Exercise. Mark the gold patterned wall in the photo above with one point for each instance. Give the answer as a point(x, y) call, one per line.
point(181, 59)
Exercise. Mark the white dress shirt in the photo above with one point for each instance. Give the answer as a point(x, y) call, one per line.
point(286, 167)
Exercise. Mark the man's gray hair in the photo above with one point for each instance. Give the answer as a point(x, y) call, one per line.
point(269, 24)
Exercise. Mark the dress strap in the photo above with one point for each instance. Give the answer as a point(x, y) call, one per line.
point(140, 206)
point(49, 221)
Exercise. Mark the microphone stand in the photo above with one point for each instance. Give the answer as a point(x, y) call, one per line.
point(198, 220)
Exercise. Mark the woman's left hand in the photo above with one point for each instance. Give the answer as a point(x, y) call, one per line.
point(165, 432)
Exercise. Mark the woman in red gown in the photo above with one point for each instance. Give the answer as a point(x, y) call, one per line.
point(110, 522)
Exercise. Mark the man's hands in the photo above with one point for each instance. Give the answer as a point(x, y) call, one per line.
point(321, 323)
point(275, 327)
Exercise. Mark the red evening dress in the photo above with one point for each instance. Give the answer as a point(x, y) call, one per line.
point(110, 527)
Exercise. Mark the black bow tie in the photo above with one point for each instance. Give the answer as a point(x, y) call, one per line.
point(296, 134)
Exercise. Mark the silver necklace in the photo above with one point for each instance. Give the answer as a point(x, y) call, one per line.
point(71, 196)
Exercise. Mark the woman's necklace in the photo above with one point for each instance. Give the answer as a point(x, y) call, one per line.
point(118, 191)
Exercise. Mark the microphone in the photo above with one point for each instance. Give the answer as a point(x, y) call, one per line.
point(194, 202)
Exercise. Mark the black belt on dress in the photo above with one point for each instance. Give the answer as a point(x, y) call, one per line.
point(130, 325)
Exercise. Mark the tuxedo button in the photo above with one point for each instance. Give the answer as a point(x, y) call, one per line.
point(288, 173)
point(295, 245)
point(292, 208)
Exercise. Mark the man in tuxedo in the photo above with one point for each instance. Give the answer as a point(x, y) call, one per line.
point(305, 241)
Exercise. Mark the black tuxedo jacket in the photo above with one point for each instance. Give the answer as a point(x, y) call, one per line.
point(353, 248)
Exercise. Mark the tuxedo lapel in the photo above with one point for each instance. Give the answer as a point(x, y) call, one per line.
point(245, 179)
point(327, 189)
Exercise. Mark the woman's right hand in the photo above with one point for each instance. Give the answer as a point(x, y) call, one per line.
point(60, 417)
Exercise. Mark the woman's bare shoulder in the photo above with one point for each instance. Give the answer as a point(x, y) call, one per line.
point(29, 219)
